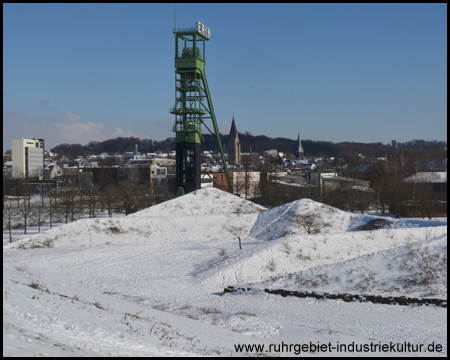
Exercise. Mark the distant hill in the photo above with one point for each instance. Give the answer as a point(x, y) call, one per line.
point(249, 142)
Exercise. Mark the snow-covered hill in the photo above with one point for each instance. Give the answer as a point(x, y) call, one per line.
point(74, 289)
point(417, 270)
point(201, 215)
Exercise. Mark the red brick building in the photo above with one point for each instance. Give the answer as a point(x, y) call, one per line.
point(219, 180)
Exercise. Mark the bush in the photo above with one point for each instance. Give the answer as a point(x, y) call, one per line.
point(375, 224)
point(272, 266)
point(114, 230)
point(222, 252)
point(180, 192)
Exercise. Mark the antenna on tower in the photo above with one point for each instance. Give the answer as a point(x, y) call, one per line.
point(175, 17)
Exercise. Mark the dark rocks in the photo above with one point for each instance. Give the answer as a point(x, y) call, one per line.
point(375, 299)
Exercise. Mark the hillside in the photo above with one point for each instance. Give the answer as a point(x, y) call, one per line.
point(201, 215)
point(259, 144)
point(151, 283)
point(416, 270)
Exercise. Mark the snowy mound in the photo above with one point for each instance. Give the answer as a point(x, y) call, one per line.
point(199, 216)
point(294, 253)
point(306, 216)
point(115, 275)
point(414, 270)
point(300, 217)
point(202, 202)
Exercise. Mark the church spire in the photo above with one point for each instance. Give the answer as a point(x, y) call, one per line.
point(234, 146)
point(300, 147)
point(233, 131)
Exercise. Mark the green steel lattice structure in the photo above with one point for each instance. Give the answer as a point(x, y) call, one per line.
point(193, 107)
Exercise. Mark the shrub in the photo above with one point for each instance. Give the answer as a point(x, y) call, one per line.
point(114, 230)
point(21, 267)
point(311, 222)
point(17, 226)
point(287, 247)
point(272, 266)
point(222, 252)
point(35, 285)
point(375, 224)
point(180, 192)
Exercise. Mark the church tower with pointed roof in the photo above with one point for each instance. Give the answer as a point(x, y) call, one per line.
point(234, 146)
point(299, 151)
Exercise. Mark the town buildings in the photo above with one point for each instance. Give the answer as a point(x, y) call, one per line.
point(298, 176)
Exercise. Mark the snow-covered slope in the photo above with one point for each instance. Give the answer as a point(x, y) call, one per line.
point(295, 253)
point(207, 201)
point(201, 215)
point(280, 221)
point(284, 220)
point(416, 270)
point(54, 320)
point(170, 263)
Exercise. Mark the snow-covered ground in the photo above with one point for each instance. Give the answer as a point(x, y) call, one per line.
point(150, 284)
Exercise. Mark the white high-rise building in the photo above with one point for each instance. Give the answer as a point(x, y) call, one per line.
point(27, 158)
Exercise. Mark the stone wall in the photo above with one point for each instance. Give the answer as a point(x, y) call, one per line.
point(388, 300)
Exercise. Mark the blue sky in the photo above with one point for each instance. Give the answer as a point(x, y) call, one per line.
point(365, 73)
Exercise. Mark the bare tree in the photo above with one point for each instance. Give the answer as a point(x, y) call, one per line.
point(51, 205)
point(24, 211)
point(162, 192)
point(387, 179)
point(397, 198)
point(6, 187)
point(9, 217)
point(248, 162)
point(425, 198)
point(238, 183)
point(92, 201)
point(126, 193)
point(351, 197)
point(27, 191)
point(237, 231)
point(269, 186)
point(331, 197)
point(311, 222)
point(109, 198)
point(81, 201)
point(39, 215)
point(145, 195)
point(358, 199)
point(67, 197)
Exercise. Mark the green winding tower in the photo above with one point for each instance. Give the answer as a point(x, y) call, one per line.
point(193, 107)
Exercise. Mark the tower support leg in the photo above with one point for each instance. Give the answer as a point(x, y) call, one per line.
point(188, 171)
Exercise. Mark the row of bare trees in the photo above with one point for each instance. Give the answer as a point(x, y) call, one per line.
point(406, 187)
point(69, 204)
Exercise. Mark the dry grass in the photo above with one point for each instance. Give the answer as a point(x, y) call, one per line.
point(98, 305)
point(21, 267)
point(35, 285)
point(272, 266)
point(160, 307)
point(222, 252)
point(287, 247)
